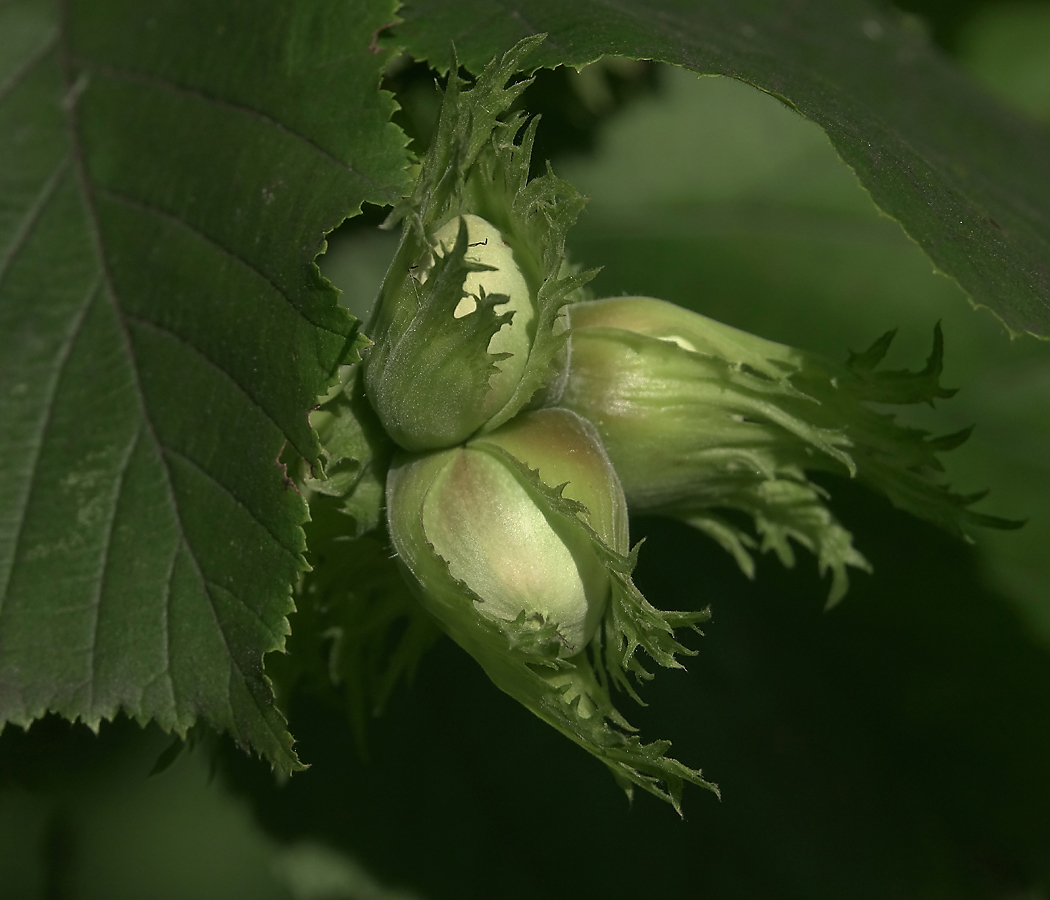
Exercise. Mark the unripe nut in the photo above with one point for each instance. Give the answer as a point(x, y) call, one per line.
point(498, 533)
point(453, 334)
point(485, 245)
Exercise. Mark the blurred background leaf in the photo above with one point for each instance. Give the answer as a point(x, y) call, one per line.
point(83, 817)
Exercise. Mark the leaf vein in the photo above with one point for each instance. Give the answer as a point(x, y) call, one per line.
point(33, 216)
point(133, 76)
point(160, 213)
point(255, 613)
point(514, 12)
point(166, 671)
point(175, 336)
point(63, 359)
point(229, 492)
point(96, 603)
point(94, 228)
point(477, 24)
point(22, 72)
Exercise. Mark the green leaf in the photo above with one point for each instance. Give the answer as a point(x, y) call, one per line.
point(964, 176)
point(168, 172)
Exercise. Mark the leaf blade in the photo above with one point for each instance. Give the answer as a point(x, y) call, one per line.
point(164, 332)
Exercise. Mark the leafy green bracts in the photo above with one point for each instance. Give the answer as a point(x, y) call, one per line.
point(699, 417)
point(468, 330)
point(517, 543)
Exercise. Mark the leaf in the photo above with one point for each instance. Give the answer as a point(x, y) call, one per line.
point(168, 171)
point(964, 176)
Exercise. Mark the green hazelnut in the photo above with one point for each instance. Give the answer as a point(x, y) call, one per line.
point(481, 517)
point(454, 333)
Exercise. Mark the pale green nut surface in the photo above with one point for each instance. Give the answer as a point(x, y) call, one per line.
point(486, 246)
point(498, 533)
point(682, 327)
